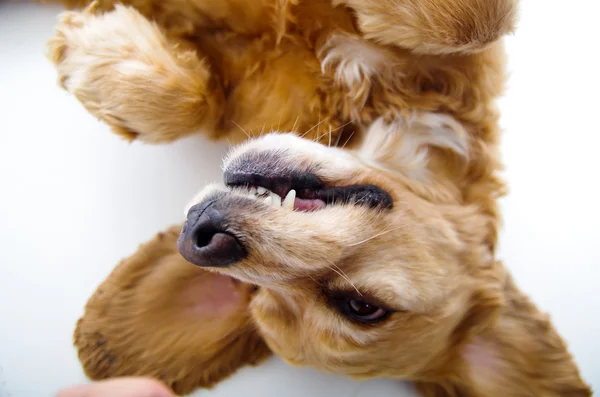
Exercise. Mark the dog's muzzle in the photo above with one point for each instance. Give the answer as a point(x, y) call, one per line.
point(262, 180)
point(204, 240)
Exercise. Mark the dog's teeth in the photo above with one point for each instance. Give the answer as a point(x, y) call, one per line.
point(252, 191)
point(268, 200)
point(261, 190)
point(288, 202)
point(275, 199)
point(252, 196)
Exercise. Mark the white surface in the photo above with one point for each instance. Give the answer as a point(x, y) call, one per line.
point(76, 199)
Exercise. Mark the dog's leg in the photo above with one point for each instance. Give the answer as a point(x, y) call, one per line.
point(126, 72)
point(157, 315)
point(435, 26)
point(185, 16)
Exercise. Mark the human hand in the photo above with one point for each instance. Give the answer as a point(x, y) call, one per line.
point(119, 387)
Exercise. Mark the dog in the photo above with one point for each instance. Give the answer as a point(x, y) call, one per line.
point(330, 258)
point(367, 250)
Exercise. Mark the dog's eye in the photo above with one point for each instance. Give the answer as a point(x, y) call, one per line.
point(363, 311)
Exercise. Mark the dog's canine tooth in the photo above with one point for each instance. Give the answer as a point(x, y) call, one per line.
point(261, 190)
point(276, 200)
point(252, 191)
point(288, 202)
point(268, 200)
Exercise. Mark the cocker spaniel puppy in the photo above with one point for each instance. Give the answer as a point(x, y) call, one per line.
point(366, 247)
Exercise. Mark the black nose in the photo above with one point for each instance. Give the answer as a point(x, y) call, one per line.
point(204, 240)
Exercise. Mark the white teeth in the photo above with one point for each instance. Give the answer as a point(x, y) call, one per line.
point(288, 202)
point(275, 200)
point(272, 199)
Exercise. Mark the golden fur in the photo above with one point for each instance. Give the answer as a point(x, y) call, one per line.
point(407, 87)
point(114, 337)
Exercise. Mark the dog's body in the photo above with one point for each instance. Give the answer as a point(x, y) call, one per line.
point(373, 260)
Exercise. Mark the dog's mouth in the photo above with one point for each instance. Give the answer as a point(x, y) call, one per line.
point(212, 235)
point(304, 191)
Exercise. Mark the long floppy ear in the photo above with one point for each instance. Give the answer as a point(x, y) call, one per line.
point(517, 354)
point(505, 347)
point(522, 354)
point(157, 315)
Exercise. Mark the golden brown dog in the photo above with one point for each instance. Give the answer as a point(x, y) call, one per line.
point(371, 253)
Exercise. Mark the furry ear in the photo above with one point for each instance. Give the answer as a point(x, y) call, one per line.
point(157, 315)
point(507, 347)
point(504, 347)
point(435, 26)
point(485, 306)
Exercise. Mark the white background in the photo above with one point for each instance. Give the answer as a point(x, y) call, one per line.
point(75, 199)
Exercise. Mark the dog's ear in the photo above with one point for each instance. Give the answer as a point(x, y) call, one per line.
point(157, 315)
point(506, 346)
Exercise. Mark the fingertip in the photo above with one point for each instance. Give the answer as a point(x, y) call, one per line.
point(74, 391)
point(119, 387)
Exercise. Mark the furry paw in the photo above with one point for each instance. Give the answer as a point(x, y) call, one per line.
point(356, 65)
point(124, 70)
point(435, 26)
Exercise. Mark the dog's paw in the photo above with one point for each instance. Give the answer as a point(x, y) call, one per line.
point(355, 65)
point(125, 72)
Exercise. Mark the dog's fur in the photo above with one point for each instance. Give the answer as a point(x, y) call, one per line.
point(407, 87)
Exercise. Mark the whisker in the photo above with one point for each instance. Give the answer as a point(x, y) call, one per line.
point(348, 140)
point(318, 138)
point(313, 279)
point(339, 137)
point(319, 128)
point(329, 145)
point(294, 126)
point(240, 127)
point(343, 275)
point(431, 320)
point(337, 141)
point(315, 126)
point(374, 220)
point(377, 235)
point(343, 125)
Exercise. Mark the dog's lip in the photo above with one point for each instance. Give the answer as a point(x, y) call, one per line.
point(309, 186)
point(280, 184)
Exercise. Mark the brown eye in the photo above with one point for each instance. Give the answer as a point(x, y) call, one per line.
point(362, 311)
point(361, 308)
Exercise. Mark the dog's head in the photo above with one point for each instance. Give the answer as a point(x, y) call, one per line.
point(364, 262)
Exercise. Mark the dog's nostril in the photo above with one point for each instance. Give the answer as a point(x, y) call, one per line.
point(205, 241)
point(203, 237)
